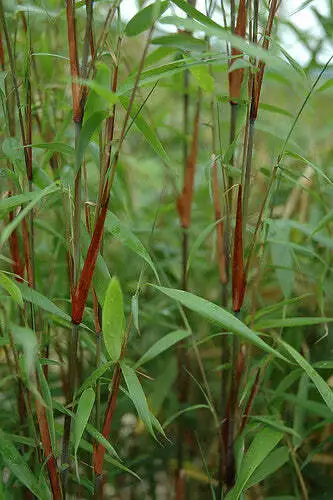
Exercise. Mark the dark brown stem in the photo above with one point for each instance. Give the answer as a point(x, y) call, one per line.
point(99, 450)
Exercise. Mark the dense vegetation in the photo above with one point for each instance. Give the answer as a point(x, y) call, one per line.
point(166, 251)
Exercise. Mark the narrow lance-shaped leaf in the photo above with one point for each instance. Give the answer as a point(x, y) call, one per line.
point(39, 300)
point(86, 134)
point(120, 231)
point(39, 195)
point(238, 275)
point(91, 430)
point(261, 446)
point(198, 242)
point(17, 266)
point(135, 311)
point(204, 78)
point(184, 201)
point(59, 147)
point(147, 131)
point(218, 315)
point(82, 415)
point(162, 345)
point(145, 17)
point(192, 12)
point(91, 380)
point(138, 397)
point(323, 388)
point(272, 463)
point(19, 468)
point(236, 76)
point(11, 202)
point(291, 322)
point(26, 338)
point(225, 34)
point(11, 288)
point(113, 319)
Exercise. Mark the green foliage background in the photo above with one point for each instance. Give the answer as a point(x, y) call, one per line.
point(285, 451)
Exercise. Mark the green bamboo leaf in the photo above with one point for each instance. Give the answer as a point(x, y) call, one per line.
point(91, 380)
point(281, 255)
point(313, 407)
point(184, 410)
point(275, 424)
point(275, 307)
point(210, 28)
point(111, 460)
point(325, 86)
point(11, 287)
point(199, 240)
point(113, 319)
point(296, 156)
point(275, 109)
point(261, 446)
point(146, 130)
point(17, 465)
point(3, 75)
point(145, 18)
point(7, 204)
point(120, 231)
point(195, 14)
point(39, 195)
point(324, 221)
point(21, 440)
point(135, 311)
point(299, 414)
point(291, 322)
point(39, 300)
point(87, 131)
point(59, 147)
point(162, 345)
point(218, 315)
point(158, 55)
point(203, 77)
point(26, 338)
point(104, 92)
point(273, 462)
point(13, 150)
point(84, 407)
point(183, 41)
point(155, 74)
point(323, 388)
point(137, 396)
point(323, 365)
point(94, 433)
point(100, 97)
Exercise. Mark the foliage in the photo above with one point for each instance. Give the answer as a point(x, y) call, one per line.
point(165, 252)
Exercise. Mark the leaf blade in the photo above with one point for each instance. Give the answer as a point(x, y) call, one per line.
point(113, 319)
point(216, 314)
